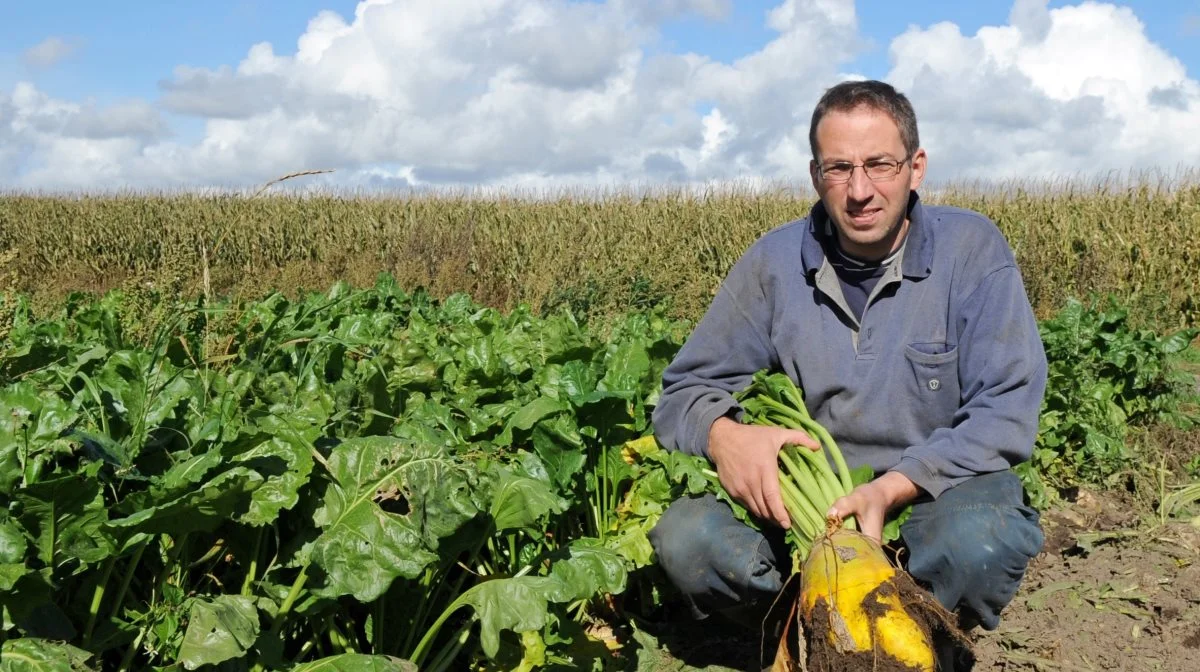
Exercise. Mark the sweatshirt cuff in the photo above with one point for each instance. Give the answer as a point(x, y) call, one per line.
point(919, 473)
point(707, 417)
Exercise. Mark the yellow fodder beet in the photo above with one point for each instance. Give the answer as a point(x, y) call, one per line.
point(849, 573)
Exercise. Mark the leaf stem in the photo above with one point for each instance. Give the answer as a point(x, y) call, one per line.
point(418, 655)
point(132, 650)
point(427, 600)
point(293, 594)
point(807, 509)
point(799, 476)
point(127, 578)
point(448, 654)
point(252, 571)
point(378, 634)
point(98, 599)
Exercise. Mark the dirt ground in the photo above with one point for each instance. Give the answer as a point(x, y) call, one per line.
point(1113, 589)
point(1108, 592)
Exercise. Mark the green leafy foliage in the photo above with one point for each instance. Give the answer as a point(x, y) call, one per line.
point(288, 482)
point(376, 480)
point(1105, 376)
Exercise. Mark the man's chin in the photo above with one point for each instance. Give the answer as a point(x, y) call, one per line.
point(861, 237)
point(864, 244)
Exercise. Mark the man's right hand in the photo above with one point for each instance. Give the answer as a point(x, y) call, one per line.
point(746, 457)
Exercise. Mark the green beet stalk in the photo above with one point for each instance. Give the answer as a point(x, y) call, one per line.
point(797, 480)
point(800, 419)
point(812, 426)
point(829, 489)
point(843, 472)
point(803, 524)
point(824, 473)
point(814, 429)
point(802, 477)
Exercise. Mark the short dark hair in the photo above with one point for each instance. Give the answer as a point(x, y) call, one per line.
point(874, 94)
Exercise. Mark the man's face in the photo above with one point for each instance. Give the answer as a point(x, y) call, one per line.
point(870, 215)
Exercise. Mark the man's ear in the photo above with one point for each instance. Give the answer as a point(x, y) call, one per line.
point(918, 162)
point(812, 173)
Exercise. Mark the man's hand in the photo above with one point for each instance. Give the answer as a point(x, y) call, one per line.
point(870, 502)
point(746, 457)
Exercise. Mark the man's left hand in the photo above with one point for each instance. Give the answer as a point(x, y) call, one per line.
point(870, 503)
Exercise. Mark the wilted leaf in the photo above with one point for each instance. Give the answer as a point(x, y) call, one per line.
point(357, 662)
point(219, 629)
point(632, 543)
point(187, 472)
point(65, 517)
point(520, 502)
point(285, 462)
point(204, 508)
point(12, 542)
point(30, 603)
point(32, 427)
point(364, 546)
point(590, 570)
point(529, 415)
point(1179, 341)
point(557, 442)
point(145, 390)
point(521, 603)
point(625, 366)
point(30, 654)
point(10, 573)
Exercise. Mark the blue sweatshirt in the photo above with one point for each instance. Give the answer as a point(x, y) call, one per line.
point(941, 380)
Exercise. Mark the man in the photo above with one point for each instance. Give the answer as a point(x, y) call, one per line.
point(909, 330)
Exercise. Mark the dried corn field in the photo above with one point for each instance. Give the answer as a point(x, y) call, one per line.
point(596, 253)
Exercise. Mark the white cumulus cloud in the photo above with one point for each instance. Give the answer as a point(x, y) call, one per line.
point(553, 92)
point(1078, 92)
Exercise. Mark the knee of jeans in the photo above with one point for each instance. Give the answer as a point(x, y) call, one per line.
point(992, 546)
point(704, 550)
point(1009, 538)
point(977, 554)
point(683, 537)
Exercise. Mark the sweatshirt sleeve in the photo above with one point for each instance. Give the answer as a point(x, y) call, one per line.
point(729, 344)
point(1002, 373)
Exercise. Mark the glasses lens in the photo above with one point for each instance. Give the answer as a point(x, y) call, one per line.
point(837, 173)
point(880, 169)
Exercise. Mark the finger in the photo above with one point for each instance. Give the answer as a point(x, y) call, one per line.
point(870, 522)
point(801, 438)
point(756, 502)
point(774, 500)
point(872, 526)
point(841, 508)
point(741, 496)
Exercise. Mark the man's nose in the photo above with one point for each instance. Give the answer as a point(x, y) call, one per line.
point(860, 188)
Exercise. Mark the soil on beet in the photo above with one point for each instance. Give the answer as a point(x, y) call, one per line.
point(1113, 589)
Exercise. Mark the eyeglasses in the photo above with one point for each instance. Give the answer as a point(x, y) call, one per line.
point(876, 169)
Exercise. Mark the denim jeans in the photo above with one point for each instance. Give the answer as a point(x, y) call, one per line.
point(970, 547)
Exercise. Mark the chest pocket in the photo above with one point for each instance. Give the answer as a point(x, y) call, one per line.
point(934, 381)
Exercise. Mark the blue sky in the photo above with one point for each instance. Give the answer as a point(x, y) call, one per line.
point(127, 46)
point(124, 50)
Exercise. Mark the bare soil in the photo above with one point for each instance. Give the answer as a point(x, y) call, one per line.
point(1108, 592)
